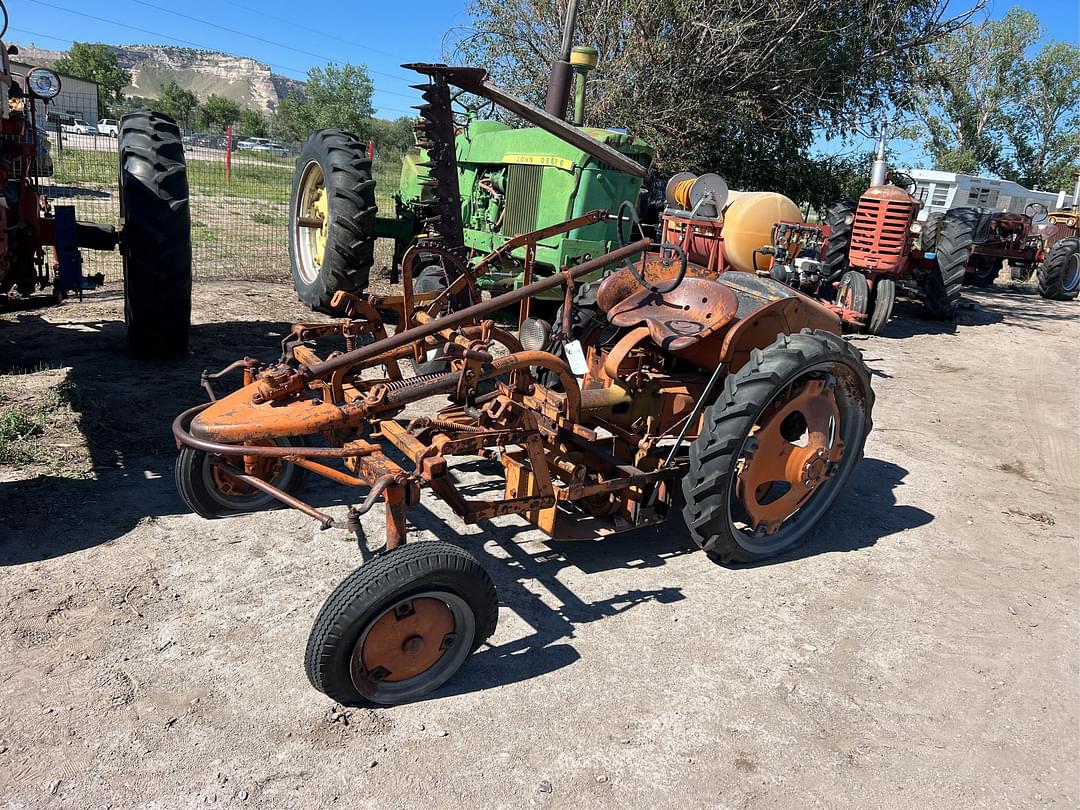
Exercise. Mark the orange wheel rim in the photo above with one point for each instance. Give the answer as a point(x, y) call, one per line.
point(265, 467)
point(407, 639)
point(790, 453)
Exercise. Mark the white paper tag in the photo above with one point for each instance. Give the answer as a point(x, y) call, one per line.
point(575, 356)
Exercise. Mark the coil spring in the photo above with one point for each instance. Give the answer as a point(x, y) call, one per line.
point(409, 382)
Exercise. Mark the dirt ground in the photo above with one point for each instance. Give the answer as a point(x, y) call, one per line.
point(922, 651)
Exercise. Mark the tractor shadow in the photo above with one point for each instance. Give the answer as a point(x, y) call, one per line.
point(865, 513)
point(124, 408)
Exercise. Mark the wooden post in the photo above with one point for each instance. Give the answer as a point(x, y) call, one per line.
point(228, 153)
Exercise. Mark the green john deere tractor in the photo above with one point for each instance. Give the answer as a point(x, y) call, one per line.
point(466, 189)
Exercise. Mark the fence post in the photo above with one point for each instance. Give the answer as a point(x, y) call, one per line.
point(228, 153)
point(371, 149)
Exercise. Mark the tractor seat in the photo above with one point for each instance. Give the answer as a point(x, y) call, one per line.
point(677, 319)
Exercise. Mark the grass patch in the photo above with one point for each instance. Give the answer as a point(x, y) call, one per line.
point(268, 218)
point(20, 428)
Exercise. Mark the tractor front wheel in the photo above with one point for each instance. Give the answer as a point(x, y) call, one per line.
point(401, 625)
point(155, 244)
point(1059, 274)
point(777, 447)
point(331, 218)
point(854, 293)
point(204, 481)
point(884, 298)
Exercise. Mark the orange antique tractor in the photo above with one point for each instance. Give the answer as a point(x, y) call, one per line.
point(726, 397)
point(872, 252)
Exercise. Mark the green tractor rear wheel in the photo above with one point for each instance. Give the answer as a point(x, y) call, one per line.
point(331, 218)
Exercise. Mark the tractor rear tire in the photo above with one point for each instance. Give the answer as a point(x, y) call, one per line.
point(930, 231)
point(710, 486)
point(334, 169)
point(941, 288)
point(881, 307)
point(835, 260)
point(155, 244)
point(1059, 274)
point(435, 571)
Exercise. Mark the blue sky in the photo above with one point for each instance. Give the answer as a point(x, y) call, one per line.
point(381, 35)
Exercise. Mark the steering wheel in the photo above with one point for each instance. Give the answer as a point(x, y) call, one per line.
point(1037, 211)
point(666, 251)
point(3, 8)
point(469, 108)
point(903, 180)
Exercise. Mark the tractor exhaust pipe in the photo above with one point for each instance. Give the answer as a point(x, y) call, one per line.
point(558, 90)
point(880, 167)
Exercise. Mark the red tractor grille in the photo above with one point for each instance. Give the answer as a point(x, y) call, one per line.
point(880, 235)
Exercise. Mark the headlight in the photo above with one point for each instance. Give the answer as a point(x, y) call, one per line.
point(43, 83)
point(1072, 221)
point(849, 219)
point(534, 334)
point(916, 227)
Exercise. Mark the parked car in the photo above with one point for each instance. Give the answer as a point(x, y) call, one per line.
point(251, 144)
point(275, 149)
point(79, 127)
point(108, 126)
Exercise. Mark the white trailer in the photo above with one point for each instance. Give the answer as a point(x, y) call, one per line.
point(941, 191)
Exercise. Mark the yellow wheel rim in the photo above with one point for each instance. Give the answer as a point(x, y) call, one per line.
point(312, 224)
point(320, 209)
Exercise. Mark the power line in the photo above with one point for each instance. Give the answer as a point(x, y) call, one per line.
point(294, 24)
point(188, 42)
point(38, 34)
point(225, 28)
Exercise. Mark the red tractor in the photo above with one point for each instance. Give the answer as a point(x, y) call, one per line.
point(40, 242)
point(872, 252)
point(980, 241)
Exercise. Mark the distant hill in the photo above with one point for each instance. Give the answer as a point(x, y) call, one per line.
point(245, 81)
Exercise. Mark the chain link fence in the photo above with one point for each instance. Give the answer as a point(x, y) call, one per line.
point(239, 200)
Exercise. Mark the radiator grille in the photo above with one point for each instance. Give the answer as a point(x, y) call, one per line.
point(522, 199)
point(879, 235)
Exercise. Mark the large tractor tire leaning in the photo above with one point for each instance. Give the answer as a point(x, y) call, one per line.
point(777, 447)
point(1059, 274)
point(331, 218)
point(930, 229)
point(401, 625)
point(839, 217)
point(155, 244)
point(941, 289)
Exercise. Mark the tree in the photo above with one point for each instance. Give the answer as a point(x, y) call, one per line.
point(253, 124)
point(97, 63)
point(990, 106)
point(393, 136)
point(735, 86)
point(218, 111)
point(336, 96)
point(177, 102)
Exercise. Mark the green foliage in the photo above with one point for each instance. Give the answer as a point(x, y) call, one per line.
point(98, 63)
point(218, 112)
point(734, 86)
point(987, 105)
point(253, 124)
point(393, 136)
point(175, 101)
point(336, 96)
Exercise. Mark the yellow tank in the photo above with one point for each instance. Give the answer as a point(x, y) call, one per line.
point(748, 222)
